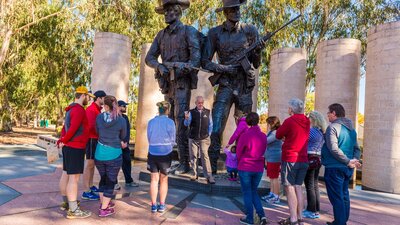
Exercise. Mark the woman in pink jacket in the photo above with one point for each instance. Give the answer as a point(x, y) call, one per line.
point(240, 129)
point(250, 156)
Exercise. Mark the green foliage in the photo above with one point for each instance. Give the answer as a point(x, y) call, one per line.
point(360, 118)
point(47, 46)
point(310, 102)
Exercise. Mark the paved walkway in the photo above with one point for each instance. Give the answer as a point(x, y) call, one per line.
point(29, 195)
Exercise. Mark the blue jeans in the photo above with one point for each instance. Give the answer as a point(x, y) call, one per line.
point(249, 182)
point(337, 186)
point(232, 172)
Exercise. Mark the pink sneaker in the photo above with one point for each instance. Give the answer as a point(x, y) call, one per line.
point(106, 212)
point(234, 179)
point(231, 179)
point(111, 205)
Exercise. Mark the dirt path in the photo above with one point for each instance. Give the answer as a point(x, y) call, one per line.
point(23, 135)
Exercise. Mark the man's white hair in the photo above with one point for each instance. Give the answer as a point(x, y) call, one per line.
point(198, 98)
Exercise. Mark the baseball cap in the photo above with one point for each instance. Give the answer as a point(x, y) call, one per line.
point(122, 103)
point(83, 90)
point(100, 94)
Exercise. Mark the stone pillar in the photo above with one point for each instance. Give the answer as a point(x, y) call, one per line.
point(287, 80)
point(381, 157)
point(338, 75)
point(111, 64)
point(149, 95)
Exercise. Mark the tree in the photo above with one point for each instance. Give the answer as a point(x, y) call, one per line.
point(360, 118)
point(46, 46)
point(309, 102)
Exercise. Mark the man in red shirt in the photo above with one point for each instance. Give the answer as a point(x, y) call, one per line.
point(73, 141)
point(90, 191)
point(295, 130)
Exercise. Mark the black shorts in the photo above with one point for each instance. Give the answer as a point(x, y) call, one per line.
point(293, 173)
point(159, 163)
point(73, 160)
point(91, 148)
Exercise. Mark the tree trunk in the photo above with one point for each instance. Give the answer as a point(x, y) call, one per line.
point(5, 112)
point(5, 47)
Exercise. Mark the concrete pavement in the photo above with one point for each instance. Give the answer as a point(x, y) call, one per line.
point(29, 195)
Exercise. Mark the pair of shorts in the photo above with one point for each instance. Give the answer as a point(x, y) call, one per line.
point(273, 170)
point(73, 160)
point(91, 148)
point(293, 173)
point(159, 163)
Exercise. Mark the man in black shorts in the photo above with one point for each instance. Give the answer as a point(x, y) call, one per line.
point(90, 191)
point(296, 131)
point(73, 141)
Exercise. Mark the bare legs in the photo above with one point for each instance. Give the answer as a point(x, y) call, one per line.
point(275, 186)
point(104, 201)
point(163, 188)
point(295, 201)
point(88, 175)
point(69, 186)
point(163, 180)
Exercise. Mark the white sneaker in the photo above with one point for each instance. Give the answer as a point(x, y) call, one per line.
point(267, 197)
point(274, 200)
point(117, 187)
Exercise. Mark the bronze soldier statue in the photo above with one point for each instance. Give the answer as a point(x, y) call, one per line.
point(179, 47)
point(235, 81)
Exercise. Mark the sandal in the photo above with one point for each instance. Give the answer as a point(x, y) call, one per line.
point(300, 221)
point(287, 222)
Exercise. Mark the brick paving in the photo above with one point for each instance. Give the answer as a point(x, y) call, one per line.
point(34, 199)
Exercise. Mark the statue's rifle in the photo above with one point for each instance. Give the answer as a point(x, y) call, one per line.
point(242, 59)
point(180, 65)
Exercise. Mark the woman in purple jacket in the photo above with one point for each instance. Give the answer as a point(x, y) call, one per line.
point(250, 155)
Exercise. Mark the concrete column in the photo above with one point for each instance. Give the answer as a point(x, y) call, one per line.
point(337, 75)
point(381, 170)
point(149, 95)
point(287, 80)
point(111, 64)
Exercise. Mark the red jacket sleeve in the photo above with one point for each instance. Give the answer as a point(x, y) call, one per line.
point(91, 117)
point(242, 126)
point(63, 131)
point(77, 116)
point(282, 130)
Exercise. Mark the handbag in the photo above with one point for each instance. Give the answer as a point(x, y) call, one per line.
point(314, 162)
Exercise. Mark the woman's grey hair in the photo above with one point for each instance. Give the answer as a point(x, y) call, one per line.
point(296, 105)
point(318, 120)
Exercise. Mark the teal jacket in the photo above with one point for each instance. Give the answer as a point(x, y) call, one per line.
point(340, 144)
